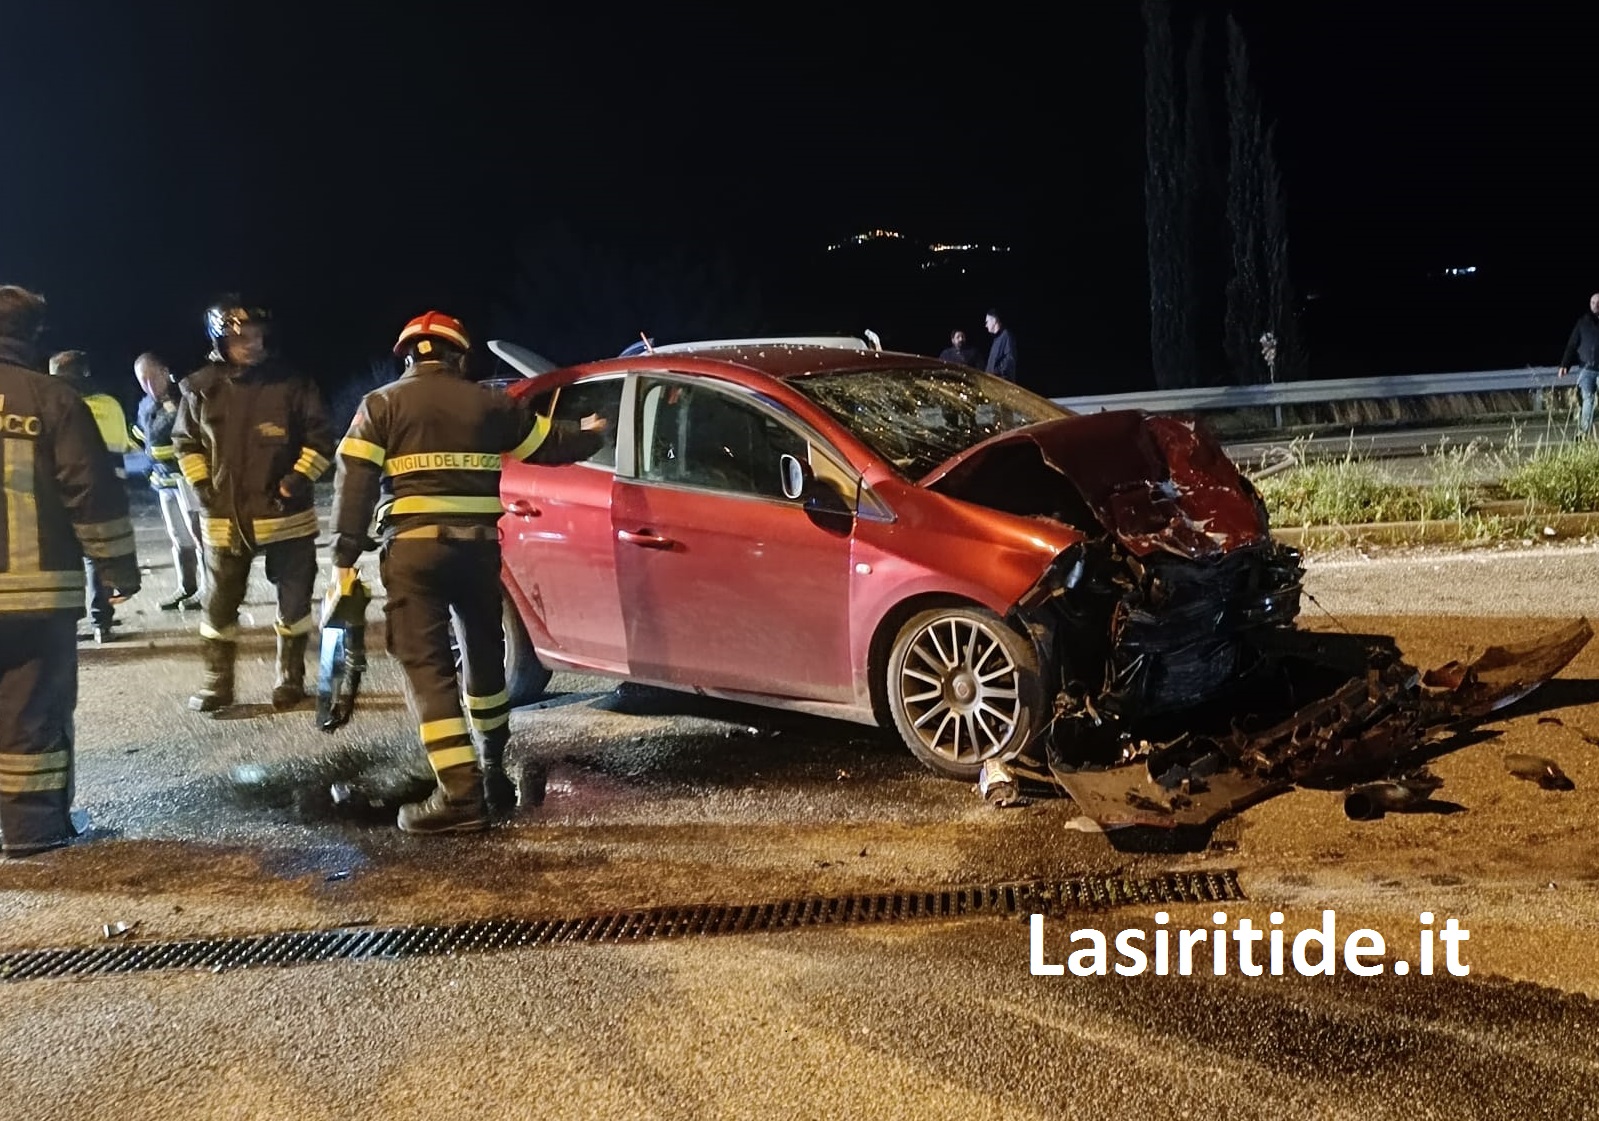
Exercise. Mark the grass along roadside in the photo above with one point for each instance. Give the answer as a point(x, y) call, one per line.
point(1475, 494)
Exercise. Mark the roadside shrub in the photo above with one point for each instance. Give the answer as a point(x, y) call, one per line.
point(1348, 491)
point(1565, 477)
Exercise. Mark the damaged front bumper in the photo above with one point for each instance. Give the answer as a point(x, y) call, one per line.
point(1372, 717)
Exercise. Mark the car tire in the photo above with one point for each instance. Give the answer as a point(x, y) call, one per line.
point(526, 678)
point(963, 687)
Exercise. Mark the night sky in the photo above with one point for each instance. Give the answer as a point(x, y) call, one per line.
point(354, 165)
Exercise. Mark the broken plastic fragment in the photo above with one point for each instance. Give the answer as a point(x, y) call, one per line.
point(1534, 768)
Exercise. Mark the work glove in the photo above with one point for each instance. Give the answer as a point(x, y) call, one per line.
point(341, 583)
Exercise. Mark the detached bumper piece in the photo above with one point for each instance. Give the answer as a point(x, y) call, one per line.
point(1371, 720)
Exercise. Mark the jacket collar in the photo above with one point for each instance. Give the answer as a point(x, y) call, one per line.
point(424, 369)
point(18, 353)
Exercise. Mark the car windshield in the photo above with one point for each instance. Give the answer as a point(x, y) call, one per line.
point(918, 418)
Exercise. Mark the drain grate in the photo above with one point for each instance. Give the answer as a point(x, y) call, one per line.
point(389, 943)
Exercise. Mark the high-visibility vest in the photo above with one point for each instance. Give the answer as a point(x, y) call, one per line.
point(111, 420)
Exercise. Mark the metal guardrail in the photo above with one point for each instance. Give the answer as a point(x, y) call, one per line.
point(1536, 378)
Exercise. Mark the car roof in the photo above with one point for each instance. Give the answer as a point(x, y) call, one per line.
point(792, 360)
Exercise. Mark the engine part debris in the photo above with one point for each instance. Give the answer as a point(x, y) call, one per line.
point(1534, 768)
point(1348, 712)
point(1372, 800)
point(998, 786)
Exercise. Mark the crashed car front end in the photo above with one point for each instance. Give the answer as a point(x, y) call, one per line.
point(1182, 688)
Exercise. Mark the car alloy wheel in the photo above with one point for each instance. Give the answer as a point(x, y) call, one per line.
point(962, 689)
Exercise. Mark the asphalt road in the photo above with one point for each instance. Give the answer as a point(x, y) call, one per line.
point(211, 826)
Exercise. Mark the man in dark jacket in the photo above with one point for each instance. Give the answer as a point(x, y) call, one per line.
point(1583, 347)
point(1002, 352)
point(423, 453)
point(158, 412)
point(959, 351)
point(60, 503)
point(252, 436)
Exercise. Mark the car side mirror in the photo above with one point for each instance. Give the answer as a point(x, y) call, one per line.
point(797, 477)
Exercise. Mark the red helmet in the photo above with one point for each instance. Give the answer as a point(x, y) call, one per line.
point(432, 325)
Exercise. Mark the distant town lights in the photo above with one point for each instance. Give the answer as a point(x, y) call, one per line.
point(1466, 270)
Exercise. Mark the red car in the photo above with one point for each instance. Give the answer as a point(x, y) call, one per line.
point(883, 538)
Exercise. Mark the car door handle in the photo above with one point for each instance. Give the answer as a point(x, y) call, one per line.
point(644, 540)
point(523, 508)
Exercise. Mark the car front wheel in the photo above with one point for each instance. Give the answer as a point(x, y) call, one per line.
point(526, 677)
point(963, 688)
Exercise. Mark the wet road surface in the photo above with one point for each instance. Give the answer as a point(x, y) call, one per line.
point(208, 827)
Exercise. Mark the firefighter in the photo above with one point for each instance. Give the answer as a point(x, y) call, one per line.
point(62, 504)
point(252, 436)
point(423, 452)
point(72, 367)
point(158, 410)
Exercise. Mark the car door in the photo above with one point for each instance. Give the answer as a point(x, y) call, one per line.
point(726, 582)
point(558, 539)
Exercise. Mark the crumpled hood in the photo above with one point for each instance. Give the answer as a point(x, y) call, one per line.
point(1152, 481)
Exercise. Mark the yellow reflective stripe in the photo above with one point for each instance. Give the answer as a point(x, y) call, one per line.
point(104, 540)
point(164, 452)
point(494, 700)
point(444, 504)
point(67, 580)
point(110, 420)
point(541, 429)
point(435, 730)
point(217, 532)
point(357, 448)
point(299, 627)
point(443, 461)
point(27, 774)
point(138, 433)
point(491, 723)
point(448, 757)
point(311, 463)
point(303, 524)
point(17, 763)
point(22, 507)
point(33, 784)
point(194, 467)
point(227, 634)
point(31, 602)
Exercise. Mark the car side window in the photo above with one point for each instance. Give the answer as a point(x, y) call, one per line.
point(602, 396)
point(692, 435)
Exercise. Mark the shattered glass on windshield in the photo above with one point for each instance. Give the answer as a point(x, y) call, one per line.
point(917, 419)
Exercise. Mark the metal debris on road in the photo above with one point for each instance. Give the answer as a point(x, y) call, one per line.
point(117, 930)
point(1372, 800)
point(998, 786)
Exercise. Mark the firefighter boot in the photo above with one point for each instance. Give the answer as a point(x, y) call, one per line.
point(290, 689)
point(455, 806)
point(188, 580)
point(499, 792)
point(217, 691)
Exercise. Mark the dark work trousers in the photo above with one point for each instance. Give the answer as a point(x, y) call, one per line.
point(38, 691)
point(291, 568)
point(432, 584)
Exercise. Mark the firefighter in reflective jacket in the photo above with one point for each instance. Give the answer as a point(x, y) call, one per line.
point(59, 504)
point(252, 436)
point(424, 453)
